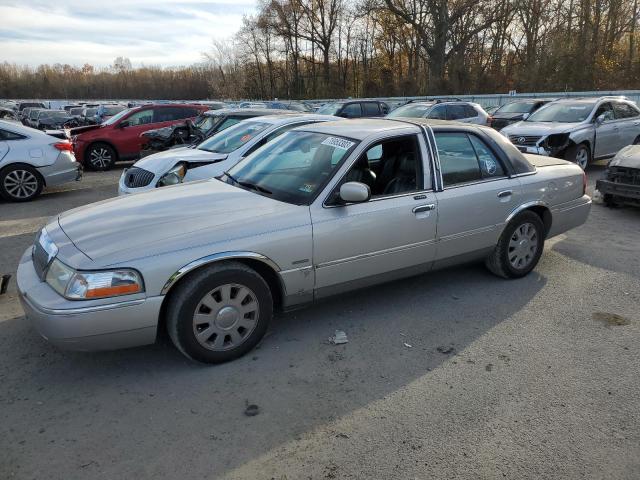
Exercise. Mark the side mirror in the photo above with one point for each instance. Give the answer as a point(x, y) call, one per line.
point(600, 119)
point(124, 124)
point(355, 192)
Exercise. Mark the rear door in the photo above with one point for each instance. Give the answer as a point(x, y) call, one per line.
point(477, 194)
point(628, 117)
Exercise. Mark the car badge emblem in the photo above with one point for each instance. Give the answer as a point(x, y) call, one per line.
point(521, 139)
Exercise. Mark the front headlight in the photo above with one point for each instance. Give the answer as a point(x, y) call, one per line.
point(173, 176)
point(76, 285)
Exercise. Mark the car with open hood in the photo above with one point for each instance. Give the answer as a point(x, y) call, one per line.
point(193, 132)
point(212, 156)
point(322, 209)
point(579, 130)
point(621, 184)
point(98, 147)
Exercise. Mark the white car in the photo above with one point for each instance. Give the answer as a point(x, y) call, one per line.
point(466, 112)
point(213, 156)
point(31, 160)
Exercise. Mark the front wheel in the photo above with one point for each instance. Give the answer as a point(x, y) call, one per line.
point(220, 313)
point(519, 247)
point(20, 183)
point(579, 154)
point(100, 157)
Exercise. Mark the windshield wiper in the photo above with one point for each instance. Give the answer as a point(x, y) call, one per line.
point(231, 177)
point(255, 187)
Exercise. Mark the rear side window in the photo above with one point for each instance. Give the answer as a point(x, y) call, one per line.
point(7, 135)
point(371, 109)
point(465, 158)
point(470, 111)
point(439, 112)
point(624, 110)
point(169, 114)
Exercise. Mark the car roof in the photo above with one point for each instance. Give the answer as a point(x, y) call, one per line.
point(285, 117)
point(249, 112)
point(358, 129)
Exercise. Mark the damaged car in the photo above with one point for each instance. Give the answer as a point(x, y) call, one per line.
point(621, 184)
point(579, 130)
point(513, 112)
point(213, 156)
point(192, 132)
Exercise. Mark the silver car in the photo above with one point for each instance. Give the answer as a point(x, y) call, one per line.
point(322, 209)
point(578, 130)
point(213, 156)
point(467, 112)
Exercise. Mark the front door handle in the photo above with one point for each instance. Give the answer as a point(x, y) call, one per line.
point(505, 193)
point(424, 208)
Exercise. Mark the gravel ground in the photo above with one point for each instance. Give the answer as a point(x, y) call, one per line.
point(535, 378)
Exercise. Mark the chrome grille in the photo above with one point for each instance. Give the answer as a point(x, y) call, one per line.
point(137, 177)
point(40, 259)
point(524, 140)
point(625, 175)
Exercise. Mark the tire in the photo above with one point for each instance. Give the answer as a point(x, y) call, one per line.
point(100, 157)
point(637, 140)
point(579, 154)
point(20, 183)
point(504, 260)
point(210, 304)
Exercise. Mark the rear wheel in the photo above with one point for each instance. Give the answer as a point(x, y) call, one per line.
point(220, 313)
point(20, 183)
point(519, 247)
point(100, 156)
point(579, 154)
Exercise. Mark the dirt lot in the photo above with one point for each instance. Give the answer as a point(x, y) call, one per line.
point(533, 378)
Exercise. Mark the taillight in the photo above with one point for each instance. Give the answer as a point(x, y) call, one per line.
point(64, 146)
point(584, 182)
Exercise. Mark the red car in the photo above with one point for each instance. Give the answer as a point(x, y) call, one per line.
point(98, 147)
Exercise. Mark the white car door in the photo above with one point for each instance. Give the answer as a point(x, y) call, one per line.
point(395, 230)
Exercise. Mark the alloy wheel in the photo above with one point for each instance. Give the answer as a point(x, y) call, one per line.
point(100, 157)
point(225, 317)
point(523, 246)
point(21, 184)
point(582, 158)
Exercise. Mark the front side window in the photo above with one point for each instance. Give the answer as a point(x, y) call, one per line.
point(142, 117)
point(352, 110)
point(465, 158)
point(439, 112)
point(390, 167)
point(371, 109)
point(605, 109)
point(89, 112)
point(234, 137)
point(294, 167)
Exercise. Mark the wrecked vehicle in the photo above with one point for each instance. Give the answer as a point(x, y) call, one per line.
point(579, 130)
point(196, 131)
point(52, 119)
point(622, 182)
point(513, 112)
point(213, 156)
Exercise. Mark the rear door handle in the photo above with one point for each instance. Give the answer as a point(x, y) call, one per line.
point(424, 208)
point(505, 193)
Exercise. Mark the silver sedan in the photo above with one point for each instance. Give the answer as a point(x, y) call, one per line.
point(322, 209)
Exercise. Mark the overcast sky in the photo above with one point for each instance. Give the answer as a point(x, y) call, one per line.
point(150, 32)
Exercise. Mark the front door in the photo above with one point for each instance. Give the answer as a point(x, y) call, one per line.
point(393, 232)
point(477, 195)
point(607, 133)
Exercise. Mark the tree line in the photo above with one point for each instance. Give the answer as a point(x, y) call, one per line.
point(362, 48)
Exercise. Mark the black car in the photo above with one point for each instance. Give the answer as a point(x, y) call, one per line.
point(52, 119)
point(513, 112)
point(203, 127)
point(355, 109)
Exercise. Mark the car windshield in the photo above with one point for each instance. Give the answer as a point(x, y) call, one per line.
point(564, 112)
point(411, 110)
point(233, 137)
point(329, 109)
point(76, 111)
point(112, 120)
point(205, 122)
point(516, 107)
point(293, 168)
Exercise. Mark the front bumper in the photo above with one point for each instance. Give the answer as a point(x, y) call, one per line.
point(124, 190)
point(626, 190)
point(86, 325)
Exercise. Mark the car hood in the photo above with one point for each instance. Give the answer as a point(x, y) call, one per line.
point(508, 116)
point(173, 218)
point(163, 161)
point(539, 128)
point(628, 157)
point(86, 128)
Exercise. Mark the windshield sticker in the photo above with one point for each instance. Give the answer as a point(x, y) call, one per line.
point(246, 138)
point(306, 188)
point(489, 165)
point(340, 143)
